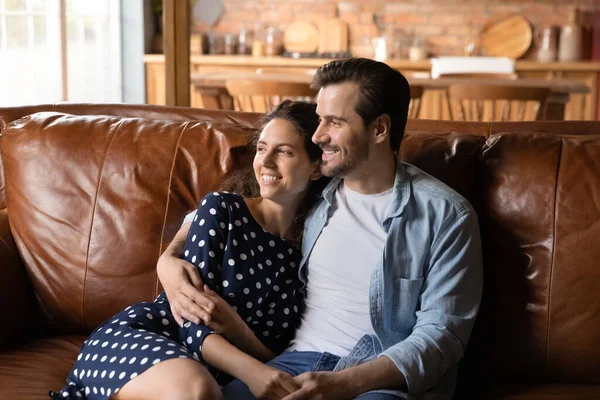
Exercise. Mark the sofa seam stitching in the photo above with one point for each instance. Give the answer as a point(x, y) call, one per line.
point(553, 254)
point(87, 252)
point(162, 233)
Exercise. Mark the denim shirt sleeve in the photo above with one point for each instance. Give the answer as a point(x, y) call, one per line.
point(450, 299)
point(189, 217)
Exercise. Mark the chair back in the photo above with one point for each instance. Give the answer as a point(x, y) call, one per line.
point(258, 95)
point(416, 94)
point(495, 102)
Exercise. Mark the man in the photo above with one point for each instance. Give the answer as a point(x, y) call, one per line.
point(392, 257)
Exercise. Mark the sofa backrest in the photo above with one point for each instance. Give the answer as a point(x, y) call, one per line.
point(541, 235)
point(10, 114)
point(93, 200)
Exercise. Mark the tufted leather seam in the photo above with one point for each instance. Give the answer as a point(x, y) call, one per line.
point(553, 256)
point(87, 255)
point(3, 201)
point(162, 234)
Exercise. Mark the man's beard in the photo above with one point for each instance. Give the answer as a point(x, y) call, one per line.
point(355, 156)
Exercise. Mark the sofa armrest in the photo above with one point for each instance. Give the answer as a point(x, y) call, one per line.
point(16, 293)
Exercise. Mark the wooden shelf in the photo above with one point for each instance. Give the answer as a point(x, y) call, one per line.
point(250, 61)
point(581, 106)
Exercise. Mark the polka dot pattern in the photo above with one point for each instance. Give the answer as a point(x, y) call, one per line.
point(249, 267)
point(253, 270)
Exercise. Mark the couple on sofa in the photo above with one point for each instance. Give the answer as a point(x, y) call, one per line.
point(363, 286)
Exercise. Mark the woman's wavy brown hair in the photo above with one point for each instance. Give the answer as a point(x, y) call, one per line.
point(304, 117)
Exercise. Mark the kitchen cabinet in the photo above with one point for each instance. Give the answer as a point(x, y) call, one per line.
point(433, 105)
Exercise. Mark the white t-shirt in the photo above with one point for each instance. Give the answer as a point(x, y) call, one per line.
point(339, 272)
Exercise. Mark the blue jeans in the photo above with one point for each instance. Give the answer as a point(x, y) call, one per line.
point(296, 363)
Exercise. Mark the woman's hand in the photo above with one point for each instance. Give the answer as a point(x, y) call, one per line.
point(270, 383)
point(225, 320)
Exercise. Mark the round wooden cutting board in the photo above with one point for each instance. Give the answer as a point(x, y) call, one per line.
point(506, 35)
point(301, 37)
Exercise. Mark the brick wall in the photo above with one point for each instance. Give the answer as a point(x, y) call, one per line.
point(444, 23)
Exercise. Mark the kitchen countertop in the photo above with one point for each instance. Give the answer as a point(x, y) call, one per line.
point(522, 65)
point(218, 78)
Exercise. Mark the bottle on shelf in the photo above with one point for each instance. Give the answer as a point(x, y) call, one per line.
point(570, 41)
point(273, 43)
point(245, 42)
point(258, 45)
point(548, 44)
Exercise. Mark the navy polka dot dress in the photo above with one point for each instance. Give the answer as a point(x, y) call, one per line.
point(254, 271)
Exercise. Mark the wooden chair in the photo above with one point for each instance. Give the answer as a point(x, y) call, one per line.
point(475, 102)
point(416, 94)
point(211, 97)
point(474, 75)
point(257, 95)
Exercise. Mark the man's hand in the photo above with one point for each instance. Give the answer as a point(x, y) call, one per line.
point(321, 386)
point(270, 383)
point(183, 287)
point(225, 320)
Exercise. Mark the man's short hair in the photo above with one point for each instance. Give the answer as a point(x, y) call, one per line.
point(382, 90)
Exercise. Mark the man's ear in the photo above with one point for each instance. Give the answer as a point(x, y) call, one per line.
point(382, 128)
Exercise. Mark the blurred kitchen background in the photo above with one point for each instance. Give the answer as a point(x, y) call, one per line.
point(113, 50)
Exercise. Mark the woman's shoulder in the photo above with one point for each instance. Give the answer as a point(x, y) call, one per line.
point(223, 199)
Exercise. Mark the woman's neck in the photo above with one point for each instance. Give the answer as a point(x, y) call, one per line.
point(277, 218)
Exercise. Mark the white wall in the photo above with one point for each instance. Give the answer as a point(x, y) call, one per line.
point(132, 50)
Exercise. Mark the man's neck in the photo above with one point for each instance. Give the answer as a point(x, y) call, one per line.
point(376, 175)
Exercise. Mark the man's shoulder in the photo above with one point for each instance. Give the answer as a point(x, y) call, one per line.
point(430, 191)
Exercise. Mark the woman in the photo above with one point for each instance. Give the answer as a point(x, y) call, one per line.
point(246, 251)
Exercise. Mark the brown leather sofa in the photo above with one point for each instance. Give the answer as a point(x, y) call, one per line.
point(91, 194)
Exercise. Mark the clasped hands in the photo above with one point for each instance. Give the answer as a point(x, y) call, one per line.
point(273, 384)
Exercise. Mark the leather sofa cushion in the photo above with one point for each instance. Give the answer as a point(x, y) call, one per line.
point(544, 391)
point(540, 230)
point(93, 201)
point(452, 157)
point(31, 370)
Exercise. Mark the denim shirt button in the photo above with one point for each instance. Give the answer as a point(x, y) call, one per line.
point(322, 215)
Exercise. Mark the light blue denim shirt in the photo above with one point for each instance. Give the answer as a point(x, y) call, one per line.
point(426, 289)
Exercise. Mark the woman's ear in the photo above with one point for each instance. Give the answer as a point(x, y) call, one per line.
point(316, 173)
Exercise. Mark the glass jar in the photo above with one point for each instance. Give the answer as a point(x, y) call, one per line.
point(230, 42)
point(548, 44)
point(244, 42)
point(216, 44)
point(258, 45)
point(272, 42)
point(399, 45)
point(418, 49)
